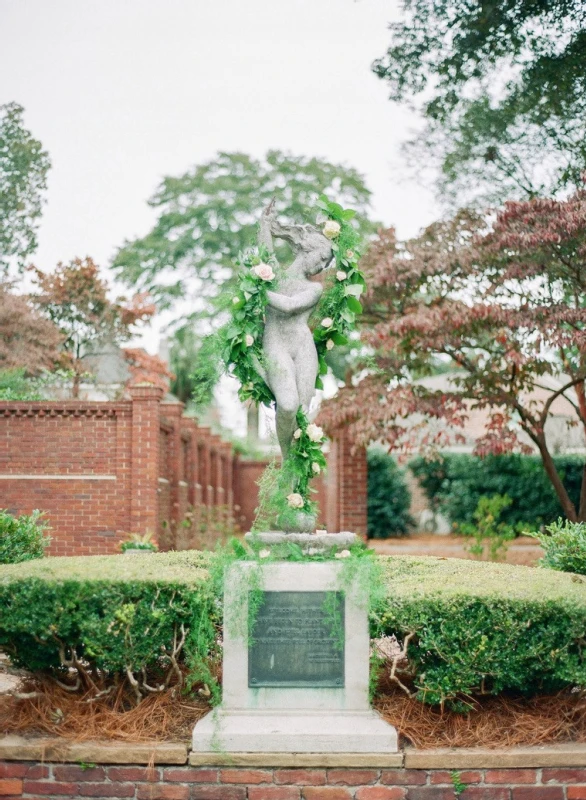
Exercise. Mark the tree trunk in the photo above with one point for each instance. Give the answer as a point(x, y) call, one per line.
point(582, 511)
point(75, 386)
point(567, 506)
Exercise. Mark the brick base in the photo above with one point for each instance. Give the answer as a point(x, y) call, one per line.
point(36, 780)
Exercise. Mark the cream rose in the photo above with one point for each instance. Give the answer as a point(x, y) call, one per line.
point(330, 344)
point(249, 340)
point(315, 468)
point(314, 432)
point(343, 554)
point(235, 300)
point(349, 254)
point(295, 500)
point(264, 553)
point(341, 275)
point(327, 322)
point(331, 229)
point(297, 434)
point(264, 271)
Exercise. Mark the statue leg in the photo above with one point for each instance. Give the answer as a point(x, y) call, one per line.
point(306, 364)
point(281, 378)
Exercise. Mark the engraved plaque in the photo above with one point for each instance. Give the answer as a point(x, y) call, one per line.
point(298, 640)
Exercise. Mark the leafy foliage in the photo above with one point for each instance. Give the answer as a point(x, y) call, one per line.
point(482, 628)
point(476, 626)
point(208, 216)
point(489, 533)
point(504, 92)
point(23, 179)
point(389, 497)
point(75, 299)
point(565, 546)
point(27, 340)
point(503, 305)
point(455, 484)
point(22, 538)
point(15, 386)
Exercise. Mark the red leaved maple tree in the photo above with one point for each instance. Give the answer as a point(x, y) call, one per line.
point(75, 298)
point(27, 340)
point(502, 302)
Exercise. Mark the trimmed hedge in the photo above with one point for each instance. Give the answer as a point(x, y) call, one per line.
point(389, 497)
point(455, 484)
point(486, 627)
point(116, 613)
point(477, 625)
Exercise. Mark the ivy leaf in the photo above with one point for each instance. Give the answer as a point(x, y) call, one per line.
point(323, 367)
point(354, 305)
point(348, 316)
point(319, 384)
point(348, 214)
point(354, 289)
point(339, 338)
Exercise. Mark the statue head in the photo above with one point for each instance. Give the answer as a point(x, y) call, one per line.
point(308, 240)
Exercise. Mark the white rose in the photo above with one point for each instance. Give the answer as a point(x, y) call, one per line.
point(297, 434)
point(341, 275)
point(315, 433)
point(264, 553)
point(315, 468)
point(349, 254)
point(235, 300)
point(343, 554)
point(264, 272)
point(331, 229)
point(249, 340)
point(327, 322)
point(330, 344)
point(295, 500)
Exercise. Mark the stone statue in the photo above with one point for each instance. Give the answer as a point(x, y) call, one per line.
point(291, 362)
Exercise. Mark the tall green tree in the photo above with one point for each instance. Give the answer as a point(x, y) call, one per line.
point(23, 179)
point(210, 213)
point(502, 88)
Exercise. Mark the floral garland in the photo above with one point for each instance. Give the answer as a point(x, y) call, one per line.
point(332, 322)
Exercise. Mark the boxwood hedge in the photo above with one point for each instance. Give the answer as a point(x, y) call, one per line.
point(477, 626)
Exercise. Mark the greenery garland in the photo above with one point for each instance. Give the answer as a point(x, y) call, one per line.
point(238, 344)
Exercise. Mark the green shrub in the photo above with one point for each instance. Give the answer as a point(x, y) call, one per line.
point(565, 546)
point(484, 627)
point(455, 484)
point(110, 617)
point(490, 536)
point(388, 497)
point(476, 626)
point(16, 387)
point(22, 538)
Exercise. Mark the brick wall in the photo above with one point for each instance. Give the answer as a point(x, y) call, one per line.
point(103, 470)
point(37, 780)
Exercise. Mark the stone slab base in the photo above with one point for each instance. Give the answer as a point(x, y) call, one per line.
point(252, 731)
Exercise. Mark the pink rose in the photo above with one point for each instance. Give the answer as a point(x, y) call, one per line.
point(264, 271)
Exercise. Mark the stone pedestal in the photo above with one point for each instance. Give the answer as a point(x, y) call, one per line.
point(301, 684)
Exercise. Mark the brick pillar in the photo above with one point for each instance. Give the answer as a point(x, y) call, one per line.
point(352, 485)
point(144, 504)
point(172, 412)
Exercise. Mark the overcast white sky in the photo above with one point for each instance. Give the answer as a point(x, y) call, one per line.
point(123, 92)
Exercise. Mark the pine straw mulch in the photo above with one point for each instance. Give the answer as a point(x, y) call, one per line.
point(53, 711)
point(495, 722)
